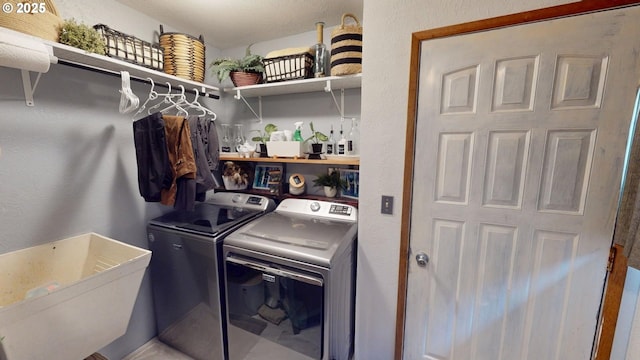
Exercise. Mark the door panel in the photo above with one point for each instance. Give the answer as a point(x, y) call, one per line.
point(521, 134)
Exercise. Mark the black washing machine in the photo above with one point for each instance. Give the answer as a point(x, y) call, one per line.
point(185, 267)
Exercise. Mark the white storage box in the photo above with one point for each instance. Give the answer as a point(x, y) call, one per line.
point(85, 288)
point(285, 149)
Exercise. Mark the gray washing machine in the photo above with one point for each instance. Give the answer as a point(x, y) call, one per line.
point(185, 265)
point(290, 283)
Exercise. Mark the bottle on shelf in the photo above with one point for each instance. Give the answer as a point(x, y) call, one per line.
point(342, 143)
point(238, 136)
point(320, 52)
point(225, 141)
point(353, 139)
point(331, 143)
point(297, 134)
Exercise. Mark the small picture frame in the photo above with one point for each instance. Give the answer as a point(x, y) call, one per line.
point(352, 183)
point(266, 175)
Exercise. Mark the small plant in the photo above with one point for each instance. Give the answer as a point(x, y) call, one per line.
point(249, 63)
point(266, 135)
point(316, 136)
point(332, 180)
point(82, 37)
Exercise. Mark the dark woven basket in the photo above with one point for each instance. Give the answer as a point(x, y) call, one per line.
point(184, 55)
point(289, 67)
point(129, 48)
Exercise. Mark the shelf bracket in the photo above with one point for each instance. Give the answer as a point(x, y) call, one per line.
point(258, 115)
point(29, 89)
point(340, 107)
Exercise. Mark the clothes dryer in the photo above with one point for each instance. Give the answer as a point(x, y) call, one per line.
point(303, 256)
point(185, 268)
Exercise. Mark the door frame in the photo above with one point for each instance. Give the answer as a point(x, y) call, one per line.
point(614, 284)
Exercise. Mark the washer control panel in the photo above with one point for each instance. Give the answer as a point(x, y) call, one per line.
point(340, 209)
point(317, 208)
point(242, 200)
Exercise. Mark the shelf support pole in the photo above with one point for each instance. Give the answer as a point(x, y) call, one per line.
point(340, 107)
point(29, 89)
point(238, 96)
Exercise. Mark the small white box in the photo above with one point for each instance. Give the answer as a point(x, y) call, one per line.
point(285, 148)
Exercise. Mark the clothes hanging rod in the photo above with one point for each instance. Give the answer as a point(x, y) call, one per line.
point(133, 78)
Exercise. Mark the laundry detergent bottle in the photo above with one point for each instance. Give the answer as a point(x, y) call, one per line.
point(297, 134)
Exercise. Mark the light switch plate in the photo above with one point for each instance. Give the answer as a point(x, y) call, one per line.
point(386, 206)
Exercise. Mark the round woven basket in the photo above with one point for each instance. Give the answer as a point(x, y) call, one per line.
point(184, 55)
point(45, 24)
point(240, 78)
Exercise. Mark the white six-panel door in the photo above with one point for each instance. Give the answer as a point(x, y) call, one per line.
point(519, 147)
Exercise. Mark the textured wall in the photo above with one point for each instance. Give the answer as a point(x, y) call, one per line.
point(67, 165)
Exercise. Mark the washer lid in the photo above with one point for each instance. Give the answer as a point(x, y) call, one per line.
point(207, 219)
point(311, 239)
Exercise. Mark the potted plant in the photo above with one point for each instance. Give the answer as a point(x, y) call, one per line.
point(316, 145)
point(263, 137)
point(330, 182)
point(82, 37)
point(245, 71)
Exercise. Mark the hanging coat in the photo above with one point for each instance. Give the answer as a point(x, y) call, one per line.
point(154, 169)
point(182, 162)
point(205, 151)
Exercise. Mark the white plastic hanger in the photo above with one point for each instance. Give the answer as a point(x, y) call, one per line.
point(128, 100)
point(205, 111)
point(166, 100)
point(182, 100)
point(153, 95)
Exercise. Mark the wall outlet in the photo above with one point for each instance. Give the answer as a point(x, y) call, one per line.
point(386, 206)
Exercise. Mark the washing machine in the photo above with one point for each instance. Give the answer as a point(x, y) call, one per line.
point(185, 268)
point(290, 283)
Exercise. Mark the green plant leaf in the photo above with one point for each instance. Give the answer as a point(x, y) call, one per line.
point(222, 67)
point(269, 128)
point(332, 179)
point(81, 36)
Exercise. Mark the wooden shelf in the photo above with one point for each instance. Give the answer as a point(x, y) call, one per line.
point(346, 161)
point(325, 84)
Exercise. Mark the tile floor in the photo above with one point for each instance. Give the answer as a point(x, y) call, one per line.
point(252, 347)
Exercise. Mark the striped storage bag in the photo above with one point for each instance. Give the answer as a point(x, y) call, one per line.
point(346, 48)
